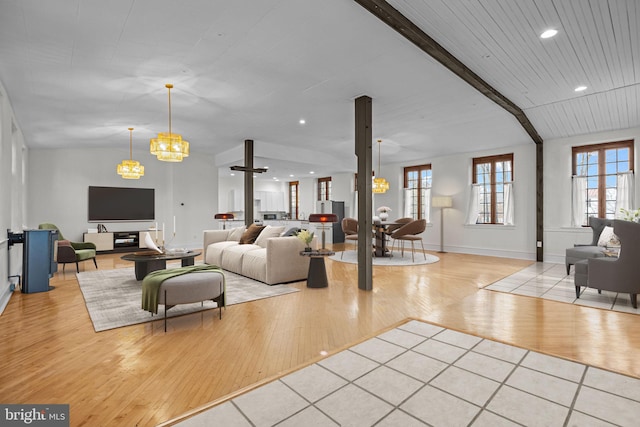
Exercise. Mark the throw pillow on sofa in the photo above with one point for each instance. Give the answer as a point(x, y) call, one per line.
point(251, 234)
point(267, 233)
point(608, 238)
point(236, 233)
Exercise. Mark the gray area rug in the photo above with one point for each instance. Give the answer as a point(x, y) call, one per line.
point(113, 297)
point(396, 260)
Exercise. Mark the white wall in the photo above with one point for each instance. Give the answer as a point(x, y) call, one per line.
point(452, 177)
point(558, 233)
point(59, 181)
point(13, 161)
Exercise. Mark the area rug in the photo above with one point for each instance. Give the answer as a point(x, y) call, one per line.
point(113, 297)
point(395, 260)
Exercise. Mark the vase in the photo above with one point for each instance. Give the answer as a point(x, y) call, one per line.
point(383, 216)
point(307, 249)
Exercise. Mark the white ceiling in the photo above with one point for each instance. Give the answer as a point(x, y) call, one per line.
point(80, 72)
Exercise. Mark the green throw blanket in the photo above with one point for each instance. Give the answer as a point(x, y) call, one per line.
point(152, 281)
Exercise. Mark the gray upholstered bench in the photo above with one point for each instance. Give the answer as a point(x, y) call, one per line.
point(192, 287)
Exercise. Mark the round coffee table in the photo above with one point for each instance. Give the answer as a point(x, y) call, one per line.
point(146, 262)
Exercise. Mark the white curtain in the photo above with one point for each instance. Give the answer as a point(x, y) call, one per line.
point(473, 208)
point(578, 201)
point(354, 204)
point(406, 211)
point(508, 203)
point(426, 201)
point(624, 193)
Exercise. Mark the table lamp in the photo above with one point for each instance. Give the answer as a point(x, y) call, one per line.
point(441, 202)
point(224, 217)
point(323, 219)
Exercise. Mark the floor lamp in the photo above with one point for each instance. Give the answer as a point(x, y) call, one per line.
point(441, 202)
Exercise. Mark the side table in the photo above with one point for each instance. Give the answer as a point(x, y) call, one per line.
point(317, 275)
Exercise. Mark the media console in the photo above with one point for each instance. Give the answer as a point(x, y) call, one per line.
point(120, 241)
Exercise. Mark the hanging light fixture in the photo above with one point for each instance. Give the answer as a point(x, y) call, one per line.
point(169, 147)
point(380, 185)
point(130, 169)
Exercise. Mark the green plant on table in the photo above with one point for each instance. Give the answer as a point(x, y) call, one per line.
point(630, 215)
point(306, 236)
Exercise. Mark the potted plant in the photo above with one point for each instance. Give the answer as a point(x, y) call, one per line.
point(631, 215)
point(306, 236)
point(383, 212)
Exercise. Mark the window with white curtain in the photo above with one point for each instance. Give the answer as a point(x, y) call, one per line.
point(491, 195)
point(417, 193)
point(602, 180)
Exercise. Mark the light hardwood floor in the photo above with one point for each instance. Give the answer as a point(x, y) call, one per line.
point(141, 376)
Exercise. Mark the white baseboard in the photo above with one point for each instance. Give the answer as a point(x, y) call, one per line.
point(5, 296)
point(531, 256)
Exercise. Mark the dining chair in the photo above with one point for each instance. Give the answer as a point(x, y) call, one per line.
point(350, 229)
point(396, 224)
point(410, 232)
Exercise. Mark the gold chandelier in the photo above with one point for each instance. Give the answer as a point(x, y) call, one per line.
point(380, 185)
point(130, 169)
point(169, 147)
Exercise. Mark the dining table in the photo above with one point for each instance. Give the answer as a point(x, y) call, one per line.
point(380, 246)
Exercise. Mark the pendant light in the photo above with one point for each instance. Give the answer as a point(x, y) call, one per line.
point(380, 185)
point(169, 147)
point(130, 169)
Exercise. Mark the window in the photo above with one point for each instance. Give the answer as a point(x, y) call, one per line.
point(324, 188)
point(490, 175)
point(417, 184)
point(294, 203)
point(601, 164)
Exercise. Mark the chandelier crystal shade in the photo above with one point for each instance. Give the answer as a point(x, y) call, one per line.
point(168, 146)
point(130, 169)
point(380, 185)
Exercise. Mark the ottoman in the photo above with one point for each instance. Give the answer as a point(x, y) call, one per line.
point(192, 287)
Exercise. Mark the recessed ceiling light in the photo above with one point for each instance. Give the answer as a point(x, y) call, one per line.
point(233, 174)
point(302, 121)
point(311, 172)
point(291, 176)
point(547, 34)
point(580, 88)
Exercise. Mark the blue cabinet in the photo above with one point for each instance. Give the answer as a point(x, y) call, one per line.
point(38, 260)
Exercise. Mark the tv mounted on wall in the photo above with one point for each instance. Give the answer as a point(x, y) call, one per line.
point(121, 204)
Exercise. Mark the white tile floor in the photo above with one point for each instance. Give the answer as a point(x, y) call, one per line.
point(420, 374)
point(550, 281)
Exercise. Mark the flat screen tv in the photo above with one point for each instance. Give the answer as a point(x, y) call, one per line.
point(121, 204)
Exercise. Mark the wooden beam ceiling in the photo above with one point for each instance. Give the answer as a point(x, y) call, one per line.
point(396, 20)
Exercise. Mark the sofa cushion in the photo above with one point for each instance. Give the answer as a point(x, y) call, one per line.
point(236, 233)
point(232, 257)
point(215, 250)
point(267, 233)
point(251, 234)
point(254, 264)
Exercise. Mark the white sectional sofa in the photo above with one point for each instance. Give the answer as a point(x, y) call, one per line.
point(271, 259)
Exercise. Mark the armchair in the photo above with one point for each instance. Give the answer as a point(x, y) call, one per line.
point(71, 252)
point(620, 274)
point(591, 250)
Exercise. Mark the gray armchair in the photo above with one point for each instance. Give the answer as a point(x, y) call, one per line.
point(621, 274)
point(591, 250)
